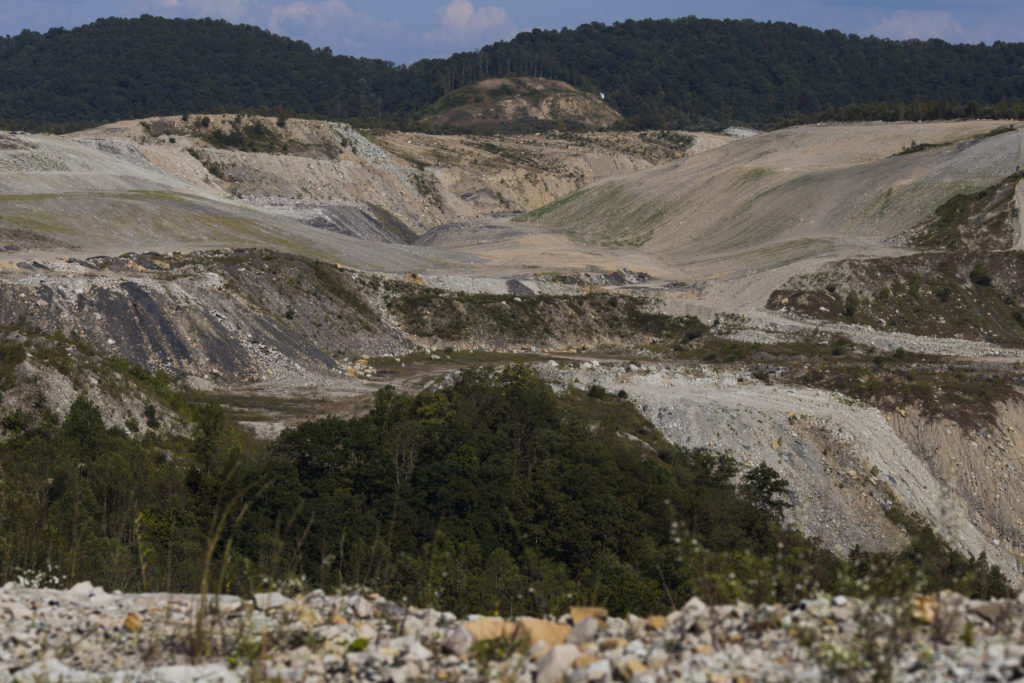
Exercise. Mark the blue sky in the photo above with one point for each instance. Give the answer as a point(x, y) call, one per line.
point(406, 30)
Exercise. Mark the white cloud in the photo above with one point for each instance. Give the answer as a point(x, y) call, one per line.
point(330, 22)
point(904, 24)
point(461, 22)
point(246, 11)
point(309, 14)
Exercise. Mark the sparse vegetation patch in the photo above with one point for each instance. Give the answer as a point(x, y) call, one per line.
point(961, 294)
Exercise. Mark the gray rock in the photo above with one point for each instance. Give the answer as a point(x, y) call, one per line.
point(644, 677)
point(208, 673)
point(552, 666)
point(274, 600)
point(695, 607)
point(362, 607)
point(392, 610)
point(418, 653)
point(82, 589)
point(457, 641)
point(600, 670)
point(583, 632)
point(413, 625)
point(16, 610)
point(990, 611)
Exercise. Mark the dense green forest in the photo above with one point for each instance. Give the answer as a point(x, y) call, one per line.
point(495, 494)
point(686, 73)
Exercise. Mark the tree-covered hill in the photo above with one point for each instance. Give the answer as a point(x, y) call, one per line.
point(130, 68)
point(495, 494)
point(685, 72)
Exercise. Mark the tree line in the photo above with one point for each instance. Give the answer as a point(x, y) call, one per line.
point(674, 73)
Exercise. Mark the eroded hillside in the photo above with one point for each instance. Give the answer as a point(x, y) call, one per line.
point(324, 305)
point(337, 178)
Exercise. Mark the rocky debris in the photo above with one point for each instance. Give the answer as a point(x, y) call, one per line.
point(363, 147)
point(616, 278)
point(422, 179)
point(86, 633)
point(353, 218)
point(784, 325)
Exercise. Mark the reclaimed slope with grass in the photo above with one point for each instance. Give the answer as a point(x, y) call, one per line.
point(69, 197)
point(739, 206)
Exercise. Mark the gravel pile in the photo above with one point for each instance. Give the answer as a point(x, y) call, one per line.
point(362, 146)
point(85, 633)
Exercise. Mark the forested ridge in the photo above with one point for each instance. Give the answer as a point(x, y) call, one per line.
point(687, 73)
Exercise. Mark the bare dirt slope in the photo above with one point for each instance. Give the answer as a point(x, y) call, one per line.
point(419, 180)
point(69, 198)
point(789, 195)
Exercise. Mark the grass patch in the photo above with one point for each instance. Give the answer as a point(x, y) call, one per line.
point(535, 320)
point(542, 211)
point(971, 219)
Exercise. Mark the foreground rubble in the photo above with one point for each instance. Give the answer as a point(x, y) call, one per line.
point(86, 633)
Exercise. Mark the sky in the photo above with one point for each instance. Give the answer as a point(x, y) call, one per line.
point(403, 31)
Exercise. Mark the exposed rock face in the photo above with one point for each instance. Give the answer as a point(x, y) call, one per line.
point(239, 317)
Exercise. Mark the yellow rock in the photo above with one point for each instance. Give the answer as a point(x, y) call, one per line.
point(489, 629)
point(702, 649)
point(613, 643)
point(776, 445)
point(339, 620)
point(133, 622)
point(656, 622)
point(548, 631)
point(629, 667)
point(578, 614)
point(441, 675)
point(924, 608)
point(583, 661)
point(902, 412)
